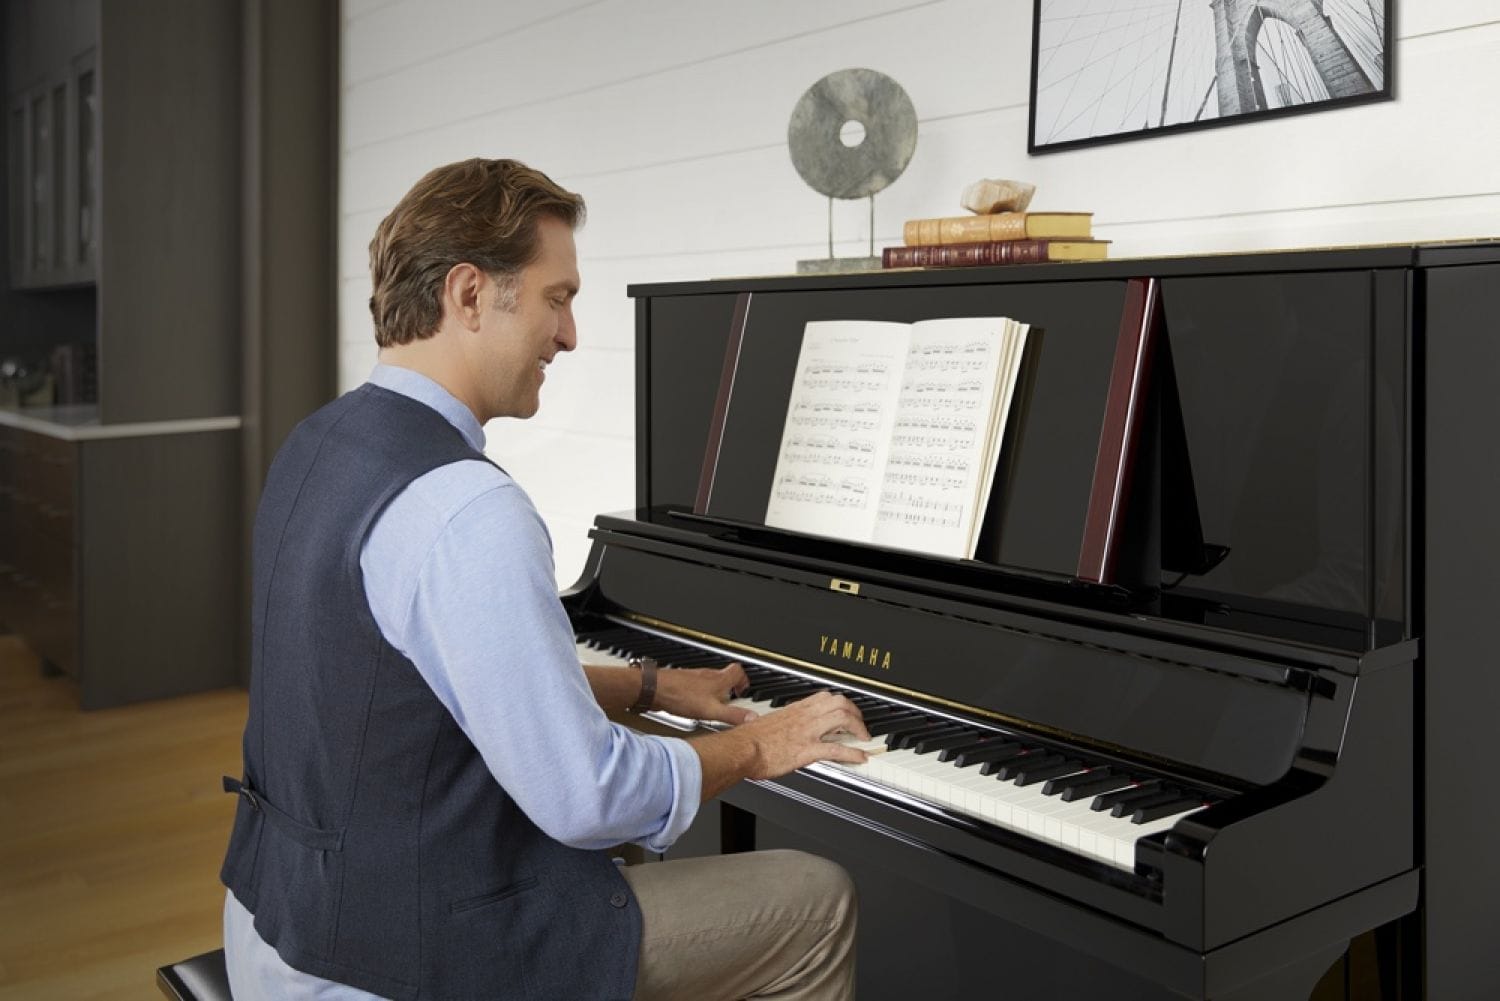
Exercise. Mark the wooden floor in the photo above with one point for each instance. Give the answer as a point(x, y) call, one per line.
point(112, 827)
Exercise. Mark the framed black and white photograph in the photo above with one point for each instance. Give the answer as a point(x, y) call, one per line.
point(1108, 70)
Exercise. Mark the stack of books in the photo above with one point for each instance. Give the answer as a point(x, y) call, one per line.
point(1000, 238)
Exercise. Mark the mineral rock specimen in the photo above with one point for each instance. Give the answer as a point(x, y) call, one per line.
point(988, 196)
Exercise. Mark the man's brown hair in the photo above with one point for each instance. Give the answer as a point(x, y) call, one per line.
point(479, 212)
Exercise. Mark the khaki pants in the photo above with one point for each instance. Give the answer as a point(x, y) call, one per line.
point(772, 924)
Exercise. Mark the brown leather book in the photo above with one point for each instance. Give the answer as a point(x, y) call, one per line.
point(951, 255)
point(998, 226)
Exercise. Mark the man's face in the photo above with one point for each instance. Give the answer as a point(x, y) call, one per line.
point(519, 341)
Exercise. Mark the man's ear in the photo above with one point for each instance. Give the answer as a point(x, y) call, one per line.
point(461, 287)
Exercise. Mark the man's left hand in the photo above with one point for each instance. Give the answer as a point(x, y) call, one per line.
point(701, 693)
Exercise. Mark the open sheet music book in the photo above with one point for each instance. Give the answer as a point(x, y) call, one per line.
point(893, 431)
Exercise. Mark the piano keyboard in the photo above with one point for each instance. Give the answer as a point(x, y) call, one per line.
point(1091, 808)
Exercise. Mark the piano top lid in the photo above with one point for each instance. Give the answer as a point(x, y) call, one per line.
point(1402, 255)
point(1308, 637)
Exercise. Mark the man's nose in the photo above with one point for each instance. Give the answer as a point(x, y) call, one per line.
point(567, 333)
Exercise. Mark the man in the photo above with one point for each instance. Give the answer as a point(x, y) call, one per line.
point(430, 777)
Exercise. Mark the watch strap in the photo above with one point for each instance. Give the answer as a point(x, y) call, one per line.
point(647, 697)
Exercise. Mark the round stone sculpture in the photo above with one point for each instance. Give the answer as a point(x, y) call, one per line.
point(830, 165)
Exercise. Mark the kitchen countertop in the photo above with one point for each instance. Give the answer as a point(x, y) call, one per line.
point(80, 422)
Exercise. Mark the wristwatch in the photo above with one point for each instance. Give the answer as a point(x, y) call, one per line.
point(647, 698)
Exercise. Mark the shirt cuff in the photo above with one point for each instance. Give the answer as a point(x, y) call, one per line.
point(687, 793)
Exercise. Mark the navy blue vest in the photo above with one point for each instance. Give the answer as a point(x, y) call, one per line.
point(370, 842)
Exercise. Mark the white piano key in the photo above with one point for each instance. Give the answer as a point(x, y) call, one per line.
point(588, 655)
point(1125, 844)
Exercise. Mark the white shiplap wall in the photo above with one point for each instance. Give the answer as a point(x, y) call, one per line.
point(669, 116)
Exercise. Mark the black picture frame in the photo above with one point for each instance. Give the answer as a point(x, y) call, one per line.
point(1105, 71)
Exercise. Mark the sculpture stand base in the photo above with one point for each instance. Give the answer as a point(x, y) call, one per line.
point(837, 265)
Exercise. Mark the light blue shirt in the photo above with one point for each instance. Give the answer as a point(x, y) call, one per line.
point(459, 576)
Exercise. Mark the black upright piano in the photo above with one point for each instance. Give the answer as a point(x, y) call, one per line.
point(1207, 714)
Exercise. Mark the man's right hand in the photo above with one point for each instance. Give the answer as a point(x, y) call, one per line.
point(797, 735)
point(772, 745)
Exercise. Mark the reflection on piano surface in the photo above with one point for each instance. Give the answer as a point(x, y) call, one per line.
point(1225, 772)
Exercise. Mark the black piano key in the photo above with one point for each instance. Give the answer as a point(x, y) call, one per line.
point(780, 680)
point(926, 745)
point(885, 725)
point(889, 713)
point(1130, 804)
point(758, 678)
point(784, 684)
point(670, 646)
point(1146, 814)
point(640, 642)
point(598, 642)
point(800, 686)
point(771, 689)
point(1139, 790)
point(980, 751)
point(907, 738)
point(795, 694)
point(916, 721)
point(1039, 772)
point(699, 659)
point(1087, 783)
point(979, 740)
point(1010, 769)
point(992, 760)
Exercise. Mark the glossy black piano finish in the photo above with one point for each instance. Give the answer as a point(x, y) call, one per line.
point(1322, 678)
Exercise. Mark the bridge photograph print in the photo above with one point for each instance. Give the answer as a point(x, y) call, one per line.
point(1109, 70)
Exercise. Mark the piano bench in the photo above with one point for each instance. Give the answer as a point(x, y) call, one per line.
point(201, 978)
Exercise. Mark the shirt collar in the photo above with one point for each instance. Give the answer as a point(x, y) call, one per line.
point(418, 387)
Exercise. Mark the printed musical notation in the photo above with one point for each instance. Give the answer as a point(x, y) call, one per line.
point(838, 419)
point(829, 450)
point(949, 347)
point(819, 414)
point(877, 367)
point(914, 509)
point(891, 430)
point(844, 384)
point(958, 464)
point(843, 494)
point(929, 363)
point(927, 479)
point(930, 494)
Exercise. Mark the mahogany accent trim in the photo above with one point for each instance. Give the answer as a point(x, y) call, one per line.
point(1119, 436)
point(721, 403)
point(643, 455)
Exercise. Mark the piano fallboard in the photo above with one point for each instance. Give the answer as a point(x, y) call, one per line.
point(1229, 716)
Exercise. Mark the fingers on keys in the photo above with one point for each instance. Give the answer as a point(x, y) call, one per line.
point(734, 673)
point(842, 728)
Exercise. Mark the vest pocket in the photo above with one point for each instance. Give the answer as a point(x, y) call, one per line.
point(492, 896)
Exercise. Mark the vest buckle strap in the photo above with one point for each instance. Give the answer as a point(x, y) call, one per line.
point(317, 838)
